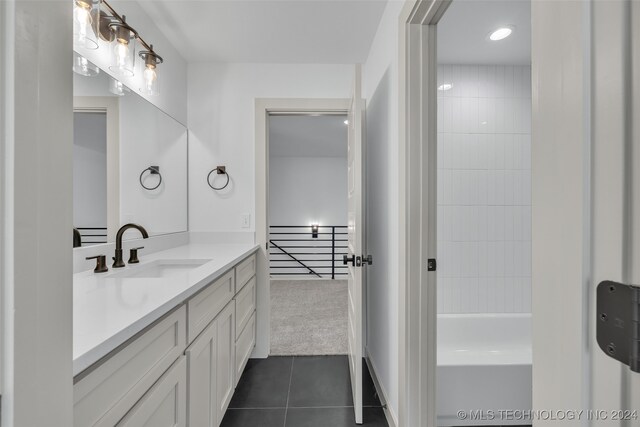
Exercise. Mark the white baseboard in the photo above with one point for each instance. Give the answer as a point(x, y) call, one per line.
point(390, 415)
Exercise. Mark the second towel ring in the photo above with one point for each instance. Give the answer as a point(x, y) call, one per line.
point(221, 170)
point(154, 170)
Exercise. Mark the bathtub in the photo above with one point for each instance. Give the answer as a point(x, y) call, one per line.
point(484, 365)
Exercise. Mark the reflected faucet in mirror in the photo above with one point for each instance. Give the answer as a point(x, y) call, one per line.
point(117, 260)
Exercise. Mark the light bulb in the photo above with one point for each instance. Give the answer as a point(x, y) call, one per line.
point(82, 17)
point(83, 25)
point(150, 77)
point(122, 50)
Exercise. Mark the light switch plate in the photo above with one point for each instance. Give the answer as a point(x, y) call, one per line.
point(245, 220)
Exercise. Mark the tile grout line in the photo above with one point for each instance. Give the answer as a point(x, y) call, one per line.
point(286, 409)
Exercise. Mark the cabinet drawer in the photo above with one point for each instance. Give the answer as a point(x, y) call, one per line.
point(245, 271)
point(244, 345)
point(106, 394)
point(165, 404)
point(245, 305)
point(206, 305)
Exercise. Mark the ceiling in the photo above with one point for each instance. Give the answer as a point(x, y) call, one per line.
point(463, 32)
point(269, 31)
point(308, 136)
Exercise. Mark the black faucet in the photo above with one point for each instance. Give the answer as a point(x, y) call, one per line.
point(117, 260)
point(77, 238)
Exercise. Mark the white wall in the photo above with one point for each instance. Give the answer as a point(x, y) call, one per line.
point(308, 190)
point(561, 158)
point(37, 384)
point(380, 88)
point(484, 189)
point(172, 74)
point(221, 129)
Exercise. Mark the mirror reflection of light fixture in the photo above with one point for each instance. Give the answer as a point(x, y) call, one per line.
point(149, 73)
point(82, 66)
point(117, 88)
point(86, 23)
point(123, 48)
point(314, 231)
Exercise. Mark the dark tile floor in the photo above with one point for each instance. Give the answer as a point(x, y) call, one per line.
point(300, 391)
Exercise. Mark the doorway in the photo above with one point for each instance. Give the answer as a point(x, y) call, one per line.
point(335, 390)
point(308, 233)
point(90, 176)
point(484, 209)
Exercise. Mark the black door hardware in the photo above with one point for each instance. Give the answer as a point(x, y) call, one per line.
point(367, 260)
point(349, 260)
point(618, 323)
point(431, 264)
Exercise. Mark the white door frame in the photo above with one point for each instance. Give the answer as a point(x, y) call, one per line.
point(264, 107)
point(417, 74)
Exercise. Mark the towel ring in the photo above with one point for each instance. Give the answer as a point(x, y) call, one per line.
point(153, 170)
point(221, 170)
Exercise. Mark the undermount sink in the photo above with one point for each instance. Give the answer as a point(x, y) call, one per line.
point(159, 268)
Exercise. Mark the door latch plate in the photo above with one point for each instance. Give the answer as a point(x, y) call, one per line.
point(618, 323)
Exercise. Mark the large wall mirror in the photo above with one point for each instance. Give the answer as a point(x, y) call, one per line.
point(129, 163)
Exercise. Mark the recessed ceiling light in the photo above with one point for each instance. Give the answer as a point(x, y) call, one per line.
point(500, 33)
point(445, 86)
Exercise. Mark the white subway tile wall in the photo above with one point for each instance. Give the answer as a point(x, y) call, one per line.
point(484, 189)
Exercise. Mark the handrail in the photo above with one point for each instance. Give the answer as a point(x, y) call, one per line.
point(294, 258)
point(317, 248)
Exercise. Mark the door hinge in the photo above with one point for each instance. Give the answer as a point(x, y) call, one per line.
point(432, 264)
point(618, 323)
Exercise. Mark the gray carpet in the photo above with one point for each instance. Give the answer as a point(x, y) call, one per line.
point(308, 317)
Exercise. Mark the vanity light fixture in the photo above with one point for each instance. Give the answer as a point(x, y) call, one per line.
point(97, 19)
point(123, 48)
point(82, 66)
point(500, 33)
point(91, 23)
point(86, 23)
point(445, 86)
point(150, 73)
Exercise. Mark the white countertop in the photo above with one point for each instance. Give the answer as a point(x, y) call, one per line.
point(109, 311)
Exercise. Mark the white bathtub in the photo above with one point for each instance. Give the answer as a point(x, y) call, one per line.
point(484, 364)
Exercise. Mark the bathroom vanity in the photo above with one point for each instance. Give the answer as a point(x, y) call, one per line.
point(164, 342)
point(161, 339)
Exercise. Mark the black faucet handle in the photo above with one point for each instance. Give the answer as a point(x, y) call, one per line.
point(101, 263)
point(133, 255)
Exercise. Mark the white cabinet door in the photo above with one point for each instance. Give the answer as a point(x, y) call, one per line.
point(202, 357)
point(165, 404)
point(226, 359)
